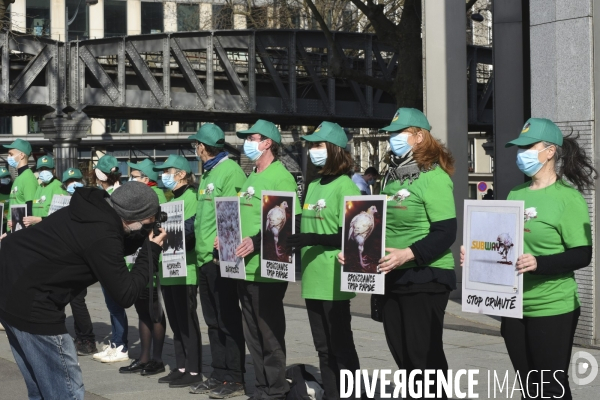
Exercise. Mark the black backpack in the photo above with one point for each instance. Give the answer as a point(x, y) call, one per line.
point(298, 376)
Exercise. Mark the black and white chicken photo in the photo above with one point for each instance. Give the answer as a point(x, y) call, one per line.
point(363, 235)
point(277, 226)
point(228, 229)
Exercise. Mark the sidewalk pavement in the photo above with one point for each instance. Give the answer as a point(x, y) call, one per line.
point(471, 342)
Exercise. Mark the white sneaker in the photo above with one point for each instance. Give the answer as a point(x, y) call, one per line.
point(105, 349)
point(115, 355)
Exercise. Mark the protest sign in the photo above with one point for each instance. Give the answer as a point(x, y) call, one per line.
point(59, 201)
point(363, 243)
point(493, 240)
point(277, 220)
point(17, 214)
point(229, 232)
point(173, 258)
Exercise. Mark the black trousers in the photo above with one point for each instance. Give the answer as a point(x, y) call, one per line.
point(414, 326)
point(330, 323)
point(542, 343)
point(222, 314)
point(181, 304)
point(84, 330)
point(264, 330)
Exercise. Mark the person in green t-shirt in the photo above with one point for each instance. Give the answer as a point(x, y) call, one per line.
point(261, 297)
point(152, 334)
point(48, 187)
point(421, 226)
point(180, 293)
point(557, 241)
point(25, 185)
point(320, 238)
point(222, 177)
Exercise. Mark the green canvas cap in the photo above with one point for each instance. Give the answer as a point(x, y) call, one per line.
point(405, 118)
point(210, 135)
point(107, 163)
point(265, 128)
point(538, 130)
point(71, 173)
point(4, 172)
point(21, 145)
point(146, 167)
point(45, 161)
point(175, 161)
point(328, 132)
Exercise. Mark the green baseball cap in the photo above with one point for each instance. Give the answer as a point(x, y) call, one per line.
point(4, 172)
point(175, 161)
point(209, 134)
point(45, 161)
point(71, 173)
point(146, 167)
point(107, 163)
point(328, 132)
point(538, 130)
point(265, 128)
point(405, 118)
point(21, 145)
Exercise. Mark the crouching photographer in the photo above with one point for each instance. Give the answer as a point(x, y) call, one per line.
point(43, 267)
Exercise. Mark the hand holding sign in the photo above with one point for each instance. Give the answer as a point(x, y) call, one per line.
point(245, 248)
point(526, 263)
point(395, 259)
point(28, 221)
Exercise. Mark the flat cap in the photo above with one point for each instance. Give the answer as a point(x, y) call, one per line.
point(134, 201)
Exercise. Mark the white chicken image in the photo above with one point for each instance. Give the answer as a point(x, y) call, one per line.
point(361, 228)
point(505, 244)
point(276, 219)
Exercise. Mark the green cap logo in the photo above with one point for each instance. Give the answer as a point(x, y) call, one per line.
point(396, 116)
point(525, 128)
point(44, 160)
point(318, 128)
point(71, 172)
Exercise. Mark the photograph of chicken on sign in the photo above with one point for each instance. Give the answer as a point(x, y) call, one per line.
point(493, 240)
point(174, 259)
point(229, 232)
point(363, 243)
point(278, 222)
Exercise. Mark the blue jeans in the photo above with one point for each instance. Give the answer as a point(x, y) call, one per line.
point(48, 364)
point(118, 320)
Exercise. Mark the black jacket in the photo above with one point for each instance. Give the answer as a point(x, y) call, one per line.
point(43, 267)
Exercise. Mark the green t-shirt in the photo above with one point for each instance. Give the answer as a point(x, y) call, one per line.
point(321, 271)
point(556, 219)
point(161, 195)
point(23, 188)
point(189, 210)
point(223, 180)
point(44, 195)
point(274, 177)
point(412, 207)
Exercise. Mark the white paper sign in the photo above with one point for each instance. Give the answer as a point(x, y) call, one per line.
point(17, 214)
point(229, 232)
point(173, 259)
point(493, 240)
point(278, 213)
point(363, 243)
point(59, 201)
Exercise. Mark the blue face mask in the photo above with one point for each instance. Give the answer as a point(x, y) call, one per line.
point(251, 150)
point(169, 181)
point(71, 188)
point(399, 144)
point(12, 162)
point(371, 182)
point(318, 156)
point(46, 176)
point(528, 162)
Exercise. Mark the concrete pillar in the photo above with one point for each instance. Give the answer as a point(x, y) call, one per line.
point(136, 127)
point(172, 127)
point(57, 19)
point(170, 16)
point(19, 126)
point(134, 17)
point(17, 16)
point(205, 17)
point(445, 48)
point(97, 21)
point(65, 134)
point(98, 126)
point(509, 102)
point(239, 20)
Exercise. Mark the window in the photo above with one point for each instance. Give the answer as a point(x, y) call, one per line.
point(189, 126)
point(153, 125)
point(37, 17)
point(33, 123)
point(5, 125)
point(188, 17)
point(115, 18)
point(258, 18)
point(152, 17)
point(226, 126)
point(79, 28)
point(222, 17)
point(117, 126)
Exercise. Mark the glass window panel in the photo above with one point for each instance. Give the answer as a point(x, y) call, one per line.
point(6, 125)
point(115, 18)
point(189, 126)
point(34, 124)
point(188, 17)
point(154, 126)
point(222, 17)
point(152, 17)
point(117, 126)
point(79, 28)
point(37, 17)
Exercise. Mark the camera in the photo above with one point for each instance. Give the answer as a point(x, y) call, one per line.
point(159, 219)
